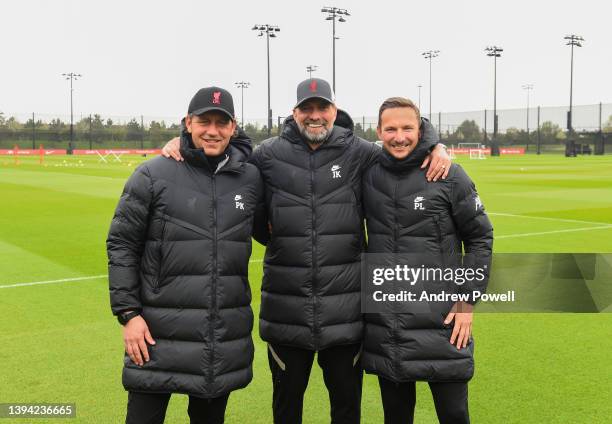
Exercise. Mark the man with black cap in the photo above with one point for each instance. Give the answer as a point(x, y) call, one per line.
point(178, 248)
point(311, 286)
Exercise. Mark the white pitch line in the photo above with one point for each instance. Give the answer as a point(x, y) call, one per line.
point(63, 280)
point(92, 277)
point(552, 232)
point(66, 280)
point(576, 221)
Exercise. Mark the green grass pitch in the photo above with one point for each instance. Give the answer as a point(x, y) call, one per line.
point(59, 342)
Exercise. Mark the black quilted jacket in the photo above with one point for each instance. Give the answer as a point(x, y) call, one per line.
point(178, 249)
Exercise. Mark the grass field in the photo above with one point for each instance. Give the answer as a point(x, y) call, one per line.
point(59, 342)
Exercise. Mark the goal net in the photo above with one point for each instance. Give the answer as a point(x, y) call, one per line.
point(476, 150)
point(477, 154)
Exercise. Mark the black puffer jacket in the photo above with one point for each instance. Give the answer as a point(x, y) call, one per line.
point(311, 284)
point(407, 214)
point(178, 248)
point(310, 290)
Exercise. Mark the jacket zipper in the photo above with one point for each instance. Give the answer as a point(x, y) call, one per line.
point(436, 219)
point(156, 282)
point(314, 252)
point(213, 306)
point(395, 223)
point(395, 251)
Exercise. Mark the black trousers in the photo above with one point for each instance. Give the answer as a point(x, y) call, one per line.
point(450, 399)
point(150, 408)
point(342, 375)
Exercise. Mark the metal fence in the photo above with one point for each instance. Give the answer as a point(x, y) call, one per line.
point(542, 126)
point(537, 129)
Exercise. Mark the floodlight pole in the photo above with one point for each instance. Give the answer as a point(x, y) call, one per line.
point(334, 52)
point(528, 88)
point(72, 77)
point(572, 40)
point(334, 13)
point(242, 85)
point(310, 69)
point(430, 54)
point(269, 107)
point(494, 52)
point(270, 31)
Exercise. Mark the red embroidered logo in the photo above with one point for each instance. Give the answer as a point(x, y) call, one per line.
point(216, 98)
point(313, 86)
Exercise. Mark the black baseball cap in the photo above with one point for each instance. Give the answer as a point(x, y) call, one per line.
point(212, 98)
point(314, 88)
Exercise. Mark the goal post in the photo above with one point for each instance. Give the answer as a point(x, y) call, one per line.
point(475, 150)
point(477, 154)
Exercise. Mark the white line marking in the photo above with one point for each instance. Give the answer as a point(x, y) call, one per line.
point(66, 280)
point(547, 218)
point(92, 277)
point(63, 280)
point(552, 232)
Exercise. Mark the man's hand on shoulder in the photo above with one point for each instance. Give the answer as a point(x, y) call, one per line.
point(439, 163)
point(173, 149)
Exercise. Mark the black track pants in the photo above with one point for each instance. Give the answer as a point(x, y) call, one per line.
point(450, 399)
point(150, 408)
point(342, 374)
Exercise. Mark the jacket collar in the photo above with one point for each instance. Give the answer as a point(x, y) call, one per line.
point(196, 157)
point(427, 141)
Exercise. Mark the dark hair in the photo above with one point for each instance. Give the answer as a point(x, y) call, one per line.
point(395, 102)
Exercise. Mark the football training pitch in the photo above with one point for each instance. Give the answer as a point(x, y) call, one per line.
point(60, 343)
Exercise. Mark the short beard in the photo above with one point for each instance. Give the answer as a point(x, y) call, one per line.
point(314, 138)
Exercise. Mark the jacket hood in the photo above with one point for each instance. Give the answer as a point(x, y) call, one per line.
point(427, 140)
point(344, 120)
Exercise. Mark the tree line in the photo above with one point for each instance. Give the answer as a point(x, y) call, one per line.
point(99, 132)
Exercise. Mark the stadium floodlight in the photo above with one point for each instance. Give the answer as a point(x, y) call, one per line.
point(572, 40)
point(494, 52)
point(334, 13)
point(528, 88)
point(242, 85)
point(430, 54)
point(72, 77)
point(310, 69)
point(270, 32)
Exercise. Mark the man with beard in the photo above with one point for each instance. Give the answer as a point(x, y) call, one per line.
point(433, 223)
point(310, 300)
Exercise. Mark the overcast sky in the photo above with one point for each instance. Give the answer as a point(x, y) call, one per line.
point(150, 57)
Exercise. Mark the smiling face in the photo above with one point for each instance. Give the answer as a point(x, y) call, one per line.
point(315, 119)
point(398, 129)
point(210, 131)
